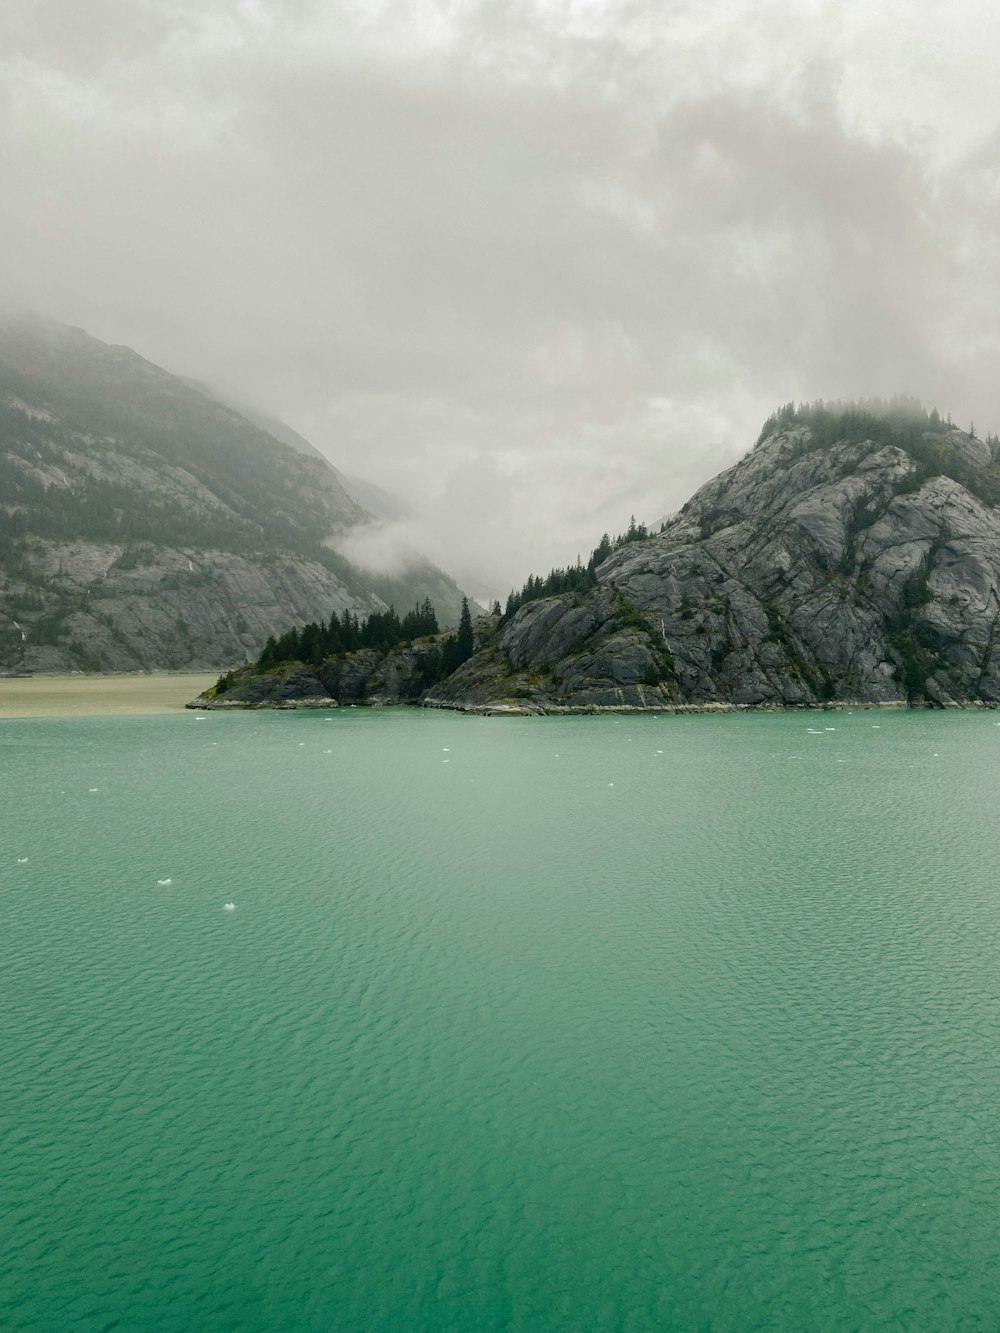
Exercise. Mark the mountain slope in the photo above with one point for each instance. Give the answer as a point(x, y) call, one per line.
point(148, 525)
point(851, 555)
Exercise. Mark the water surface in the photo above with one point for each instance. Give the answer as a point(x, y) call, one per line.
point(652, 1023)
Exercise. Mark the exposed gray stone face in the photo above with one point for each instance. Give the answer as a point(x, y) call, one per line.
point(800, 576)
point(180, 610)
point(804, 575)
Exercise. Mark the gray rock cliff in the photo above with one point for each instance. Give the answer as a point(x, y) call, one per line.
point(810, 572)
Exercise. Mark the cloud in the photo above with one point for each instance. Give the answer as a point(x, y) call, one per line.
point(535, 265)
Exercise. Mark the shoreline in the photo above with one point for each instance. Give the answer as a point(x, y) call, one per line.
point(501, 708)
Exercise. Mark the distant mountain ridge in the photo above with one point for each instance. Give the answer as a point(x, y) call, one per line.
point(147, 524)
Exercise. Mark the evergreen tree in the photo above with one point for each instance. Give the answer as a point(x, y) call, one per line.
point(269, 655)
point(460, 646)
point(311, 644)
point(382, 630)
point(464, 638)
point(419, 622)
point(332, 636)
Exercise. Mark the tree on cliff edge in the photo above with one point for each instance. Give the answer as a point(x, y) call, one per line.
point(460, 648)
point(464, 638)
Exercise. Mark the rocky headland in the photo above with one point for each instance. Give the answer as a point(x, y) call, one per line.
point(849, 559)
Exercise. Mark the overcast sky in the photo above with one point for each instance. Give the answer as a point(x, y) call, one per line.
point(535, 266)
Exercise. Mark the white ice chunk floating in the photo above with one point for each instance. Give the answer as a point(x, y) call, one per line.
point(22, 860)
point(164, 882)
point(229, 907)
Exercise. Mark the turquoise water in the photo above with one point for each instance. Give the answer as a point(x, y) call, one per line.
point(489, 1043)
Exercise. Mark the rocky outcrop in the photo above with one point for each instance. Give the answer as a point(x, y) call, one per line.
point(368, 677)
point(806, 574)
point(592, 652)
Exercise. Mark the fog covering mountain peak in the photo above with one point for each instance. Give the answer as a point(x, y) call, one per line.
point(150, 524)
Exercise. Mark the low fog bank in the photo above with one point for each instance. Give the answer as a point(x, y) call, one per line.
point(530, 268)
point(493, 501)
point(397, 548)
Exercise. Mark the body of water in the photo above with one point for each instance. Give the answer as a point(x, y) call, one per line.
point(412, 1022)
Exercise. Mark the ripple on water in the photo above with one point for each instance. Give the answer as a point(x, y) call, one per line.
point(713, 1050)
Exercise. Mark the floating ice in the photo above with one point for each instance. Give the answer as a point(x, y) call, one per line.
point(164, 882)
point(229, 907)
point(92, 789)
point(22, 860)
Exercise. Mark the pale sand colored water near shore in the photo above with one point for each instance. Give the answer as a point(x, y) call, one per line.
point(99, 696)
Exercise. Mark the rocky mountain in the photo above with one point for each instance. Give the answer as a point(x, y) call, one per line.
point(145, 524)
point(852, 556)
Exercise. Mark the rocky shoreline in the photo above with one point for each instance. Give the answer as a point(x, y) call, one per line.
point(504, 708)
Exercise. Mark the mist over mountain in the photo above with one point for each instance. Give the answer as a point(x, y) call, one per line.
point(382, 503)
point(271, 425)
point(148, 524)
point(532, 267)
